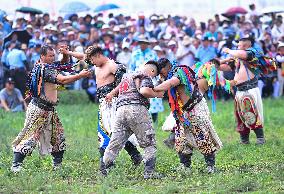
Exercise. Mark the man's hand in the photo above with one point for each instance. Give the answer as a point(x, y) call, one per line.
point(160, 94)
point(226, 50)
point(85, 73)
point(109, 97)
point(233, 83)
point(64, 49)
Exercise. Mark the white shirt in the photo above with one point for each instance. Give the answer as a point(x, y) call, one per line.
point(124, 58)
point(189, 59)
point(277, 32)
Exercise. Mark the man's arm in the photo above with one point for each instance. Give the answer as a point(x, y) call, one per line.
point(64, 51)
point(21, 99)
point(241, 54)
point(224, 67)
point(166, 85)
point(113, 93)
point(4, 104)
point(150, 93)
point(72, 78)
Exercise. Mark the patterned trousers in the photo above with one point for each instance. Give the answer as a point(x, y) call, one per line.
point(42, 128)
point(200, 134)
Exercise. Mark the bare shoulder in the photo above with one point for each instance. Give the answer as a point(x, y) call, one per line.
point(112, 66)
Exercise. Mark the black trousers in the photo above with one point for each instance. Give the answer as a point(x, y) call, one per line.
point(20, 76)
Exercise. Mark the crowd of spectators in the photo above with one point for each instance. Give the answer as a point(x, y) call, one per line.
point(178, 38)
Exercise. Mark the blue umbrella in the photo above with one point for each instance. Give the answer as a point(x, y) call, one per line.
point(105, 7)
point(74, 7)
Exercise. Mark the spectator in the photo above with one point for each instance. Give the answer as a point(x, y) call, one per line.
point(36, 39)
point(280, 68)
point(206, 51)
point(186, 53)
point(172, 49)
point(34, 55)
point(11, 97)
point(143, 54)
point(124, 56)
point(160, 52)
point(18, 66)
point(278, 30)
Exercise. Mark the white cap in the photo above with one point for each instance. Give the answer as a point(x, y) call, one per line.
point(100, 19)
point(116, 29)
point(29, 26)
point(105, 26)
point(122, 26)
point(10, 17)
point(125, 45)
point(154, 17)
point(112, 20)
point(157, 48)
point(281, 44)
point(265, 19)
point(129, 24)
point(153, 40)
point(67, 22)
point(172, 42)
point(53, 28)
point(167, 36)
point(47, 27)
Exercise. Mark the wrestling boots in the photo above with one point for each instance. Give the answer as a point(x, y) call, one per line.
point(17, 162)
point(185, 159)
point(170, 142)
point(185, 164)
point(260, 140)
point(210, 161)
point(134, 153)
point(149, 171)
point(103, 167)
point(244, 138)
point(57, 159)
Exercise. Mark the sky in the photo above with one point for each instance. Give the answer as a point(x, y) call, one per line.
point(199, 9)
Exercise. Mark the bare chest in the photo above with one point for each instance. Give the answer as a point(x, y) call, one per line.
point(103, 77)
point(243, 74)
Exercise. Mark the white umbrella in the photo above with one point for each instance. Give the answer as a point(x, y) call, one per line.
point(272, 9)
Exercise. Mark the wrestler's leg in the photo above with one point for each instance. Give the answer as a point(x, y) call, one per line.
point(259, 136)
point(210, 161)
point(117, 141)
point(241, 127)
point(133, 153)
point(145, 134)
point(57, 141)
point(27, 139)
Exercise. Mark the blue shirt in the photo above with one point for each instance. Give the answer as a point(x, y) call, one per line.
point(16, 58)
point(205, 54)
point(13, 99)
point(34, 42)
point(210, 34)
point(140, 57)
point(4, 56)
point(34, 58)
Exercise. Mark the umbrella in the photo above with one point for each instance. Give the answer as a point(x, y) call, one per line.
point(272, 9)
point(22, 36)
point(234, 11)
point(74, 7)
point(29, 10)
point(106, 7)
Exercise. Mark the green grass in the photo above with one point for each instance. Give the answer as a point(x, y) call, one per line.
point(249, 168)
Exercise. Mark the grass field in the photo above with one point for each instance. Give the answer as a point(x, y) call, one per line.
point(241, 168)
